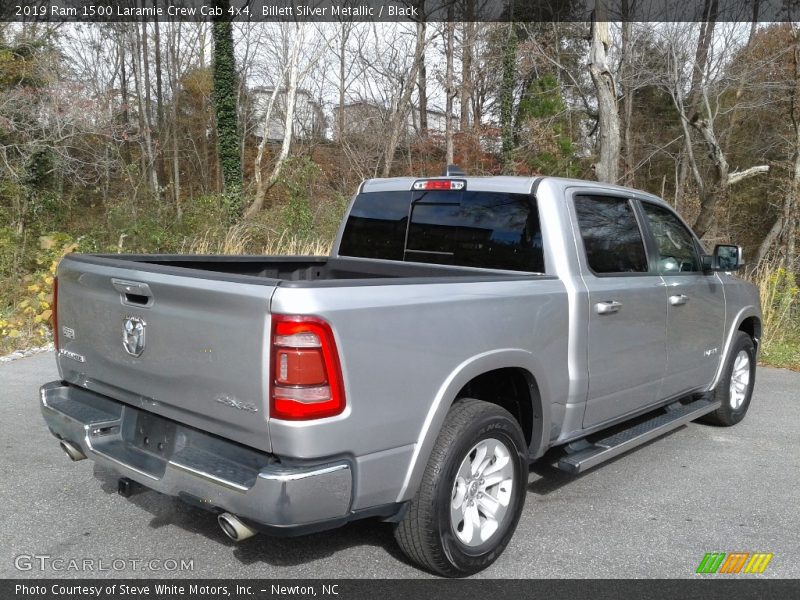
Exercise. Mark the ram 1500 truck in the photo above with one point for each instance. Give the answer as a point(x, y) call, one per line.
point(460, 328)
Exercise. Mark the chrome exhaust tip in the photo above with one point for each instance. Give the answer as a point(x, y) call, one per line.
point(71, 450)
point(234, 528)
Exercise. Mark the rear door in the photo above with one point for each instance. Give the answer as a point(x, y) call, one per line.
point(695, 304)
point(181, 343)
point(626, 351)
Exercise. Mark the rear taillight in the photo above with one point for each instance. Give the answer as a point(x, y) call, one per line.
point(306, 381)
point(54, 313)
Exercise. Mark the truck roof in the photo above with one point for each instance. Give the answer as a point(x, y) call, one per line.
point(501, 183)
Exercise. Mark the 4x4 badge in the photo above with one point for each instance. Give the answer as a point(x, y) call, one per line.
point(133, 335)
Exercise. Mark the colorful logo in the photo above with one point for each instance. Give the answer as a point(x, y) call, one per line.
point(734, 562)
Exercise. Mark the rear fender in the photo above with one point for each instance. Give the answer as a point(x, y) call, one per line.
point(456, 380)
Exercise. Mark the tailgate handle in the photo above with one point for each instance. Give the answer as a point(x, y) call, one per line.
point(133, 292)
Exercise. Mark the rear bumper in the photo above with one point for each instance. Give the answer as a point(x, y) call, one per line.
point(181, 461)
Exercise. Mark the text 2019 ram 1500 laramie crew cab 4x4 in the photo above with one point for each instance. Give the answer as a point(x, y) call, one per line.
point(461, 327)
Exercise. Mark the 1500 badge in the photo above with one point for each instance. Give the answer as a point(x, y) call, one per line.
point(237, 404)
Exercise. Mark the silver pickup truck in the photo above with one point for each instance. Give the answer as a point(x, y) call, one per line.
point(461, 327)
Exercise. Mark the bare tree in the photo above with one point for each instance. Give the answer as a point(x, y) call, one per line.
point(397, 117)
point(467, 49)
point(785, 226)
point(627, 90)
point(699, 111)
point(139, 48)
point(422, 87)
point(608, 137)
point(345, 30)
point(449, 90)
point(292, 73)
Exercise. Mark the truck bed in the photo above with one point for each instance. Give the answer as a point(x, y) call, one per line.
point(298, 271)
point(206, 324)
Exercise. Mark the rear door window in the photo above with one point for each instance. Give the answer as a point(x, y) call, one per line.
point(474, 229)
point(611, 235)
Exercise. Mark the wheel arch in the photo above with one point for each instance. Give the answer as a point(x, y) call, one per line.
point(514, 389)
point(748, 319)
point(514, 368)
point(751, 326)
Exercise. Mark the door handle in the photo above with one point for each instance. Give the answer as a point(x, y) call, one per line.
point(608, 307)
point(133, 293)
point(131, 287)
point(678, 300)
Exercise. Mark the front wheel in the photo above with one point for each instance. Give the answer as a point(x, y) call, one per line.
point(472, 492)
point(735, 387)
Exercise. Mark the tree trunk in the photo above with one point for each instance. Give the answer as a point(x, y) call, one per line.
point(205, 151)
point(144, 119)
point(507, 98)
point(466, 65)
point(710, 12)
point(261, 191)
point(160, 129)
point(123, 85)
point(155, 151)
point(785, 227)
point(717, 191)
point(340, 122)
point(159, 92)
point(422, 92)
point(398, 120)
point(690, 104)
point(627, 96)
point(288, 127)
point(449, 90)
point(736, 112)
point(227, 116)
point(607, 166)
point(174, 45)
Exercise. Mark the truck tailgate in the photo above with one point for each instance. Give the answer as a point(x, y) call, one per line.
point(188, 345)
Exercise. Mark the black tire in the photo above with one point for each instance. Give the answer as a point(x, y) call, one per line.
point(426, 534)
point(730, 413)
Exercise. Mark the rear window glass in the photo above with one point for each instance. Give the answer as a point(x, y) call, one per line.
point(472, 229)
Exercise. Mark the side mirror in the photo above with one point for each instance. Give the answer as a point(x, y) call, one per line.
point(726, 257)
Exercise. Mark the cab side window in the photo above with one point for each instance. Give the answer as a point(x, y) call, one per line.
point(611, 235)
point(677, 251)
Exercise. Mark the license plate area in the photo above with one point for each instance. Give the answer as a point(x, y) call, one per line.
point(154, 435)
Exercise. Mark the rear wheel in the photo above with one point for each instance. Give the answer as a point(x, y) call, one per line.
point(735, 388)
point(472, 492)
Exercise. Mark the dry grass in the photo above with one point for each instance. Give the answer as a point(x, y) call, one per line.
point(242, 239)
point(291, 245)
point(237, 239)
point(779, 302)
point(780, 305)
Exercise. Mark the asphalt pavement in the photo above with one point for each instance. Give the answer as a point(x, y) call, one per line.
point(653, 512)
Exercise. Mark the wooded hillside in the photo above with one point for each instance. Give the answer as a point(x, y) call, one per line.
point(219, 137)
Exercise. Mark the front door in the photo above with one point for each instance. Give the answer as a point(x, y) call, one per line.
point(695, 304)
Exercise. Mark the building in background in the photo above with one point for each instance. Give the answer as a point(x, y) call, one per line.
point(309, 118)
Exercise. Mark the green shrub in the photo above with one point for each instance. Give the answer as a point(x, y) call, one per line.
point(27, 321)
point(298, 175)
point(780, 305)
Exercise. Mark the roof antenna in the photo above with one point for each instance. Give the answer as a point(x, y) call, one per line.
point(452, 170)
